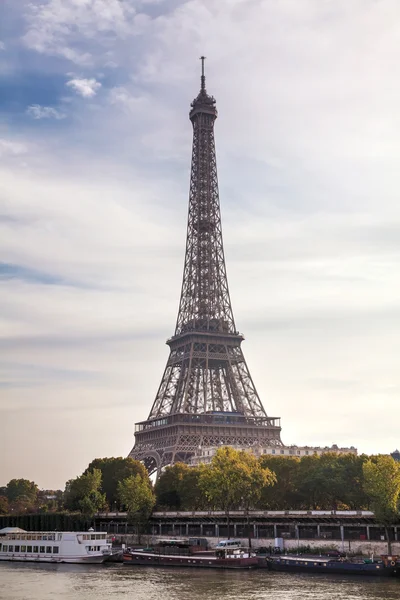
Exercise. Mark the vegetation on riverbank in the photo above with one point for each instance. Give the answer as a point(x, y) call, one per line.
point(232, 480)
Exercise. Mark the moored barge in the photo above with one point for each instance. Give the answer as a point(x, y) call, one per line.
point(229, 556)
point(386, 566)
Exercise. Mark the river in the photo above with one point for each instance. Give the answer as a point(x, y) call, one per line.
point(115, 581)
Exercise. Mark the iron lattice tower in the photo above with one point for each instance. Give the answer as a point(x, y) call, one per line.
point(206, 396)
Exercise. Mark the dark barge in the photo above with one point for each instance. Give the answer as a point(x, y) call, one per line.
point(382, 567)
point(227, 555)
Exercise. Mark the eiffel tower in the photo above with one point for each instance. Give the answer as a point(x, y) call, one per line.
point(207, 397)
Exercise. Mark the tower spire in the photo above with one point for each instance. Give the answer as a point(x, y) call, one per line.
point(203, 77)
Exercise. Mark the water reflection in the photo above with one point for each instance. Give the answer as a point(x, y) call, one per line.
point(94, 582)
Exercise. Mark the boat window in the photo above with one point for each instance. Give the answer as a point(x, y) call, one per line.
point(29, 549)
point(55, 549)
point(10, 548)
point(5, 548)
point(93, 536)
point(36, 549)
point(41, 548)
point(44, 537)
point(48, 549)
point(16, 548)
point(23, 548)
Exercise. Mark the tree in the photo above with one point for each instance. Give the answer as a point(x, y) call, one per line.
point(136, 494)
point(22, 488)
point(254, 480)
point(284, 494)
point(83, 493)
point(178, 488)
point(382, 485)
point(113, 471)
point(4, 507)
point(232, 480)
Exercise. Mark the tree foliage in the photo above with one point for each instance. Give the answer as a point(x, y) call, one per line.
point(382, 485)
point(83, 493)
point(327, 482)
point(178, 488)
point(18, 489)
point(114, 470)
point(4, 506)
point(234, 479)
point(136, 495)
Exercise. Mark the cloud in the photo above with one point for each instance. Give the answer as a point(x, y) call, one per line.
point(84, 87)
point(2, 45)
point(10, 147)
point(44, 112)
point(74, 30)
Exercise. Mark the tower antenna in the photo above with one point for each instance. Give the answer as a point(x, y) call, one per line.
point(203, 77)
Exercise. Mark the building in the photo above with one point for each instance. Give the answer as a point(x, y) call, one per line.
point(205, 455)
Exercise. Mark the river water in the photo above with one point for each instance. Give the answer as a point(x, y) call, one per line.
point(115, 581)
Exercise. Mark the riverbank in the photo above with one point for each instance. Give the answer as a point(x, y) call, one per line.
point(359, 547)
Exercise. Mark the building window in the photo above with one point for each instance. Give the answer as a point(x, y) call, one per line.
point(48, 549)
point(29, 549)
point(42, 549)
point(273, 451)
point(298, 451)
point(306, 452)
point(36, 549)
point(55, 549)
point(282, 452)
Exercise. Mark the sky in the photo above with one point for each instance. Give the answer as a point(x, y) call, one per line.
point(95, 148)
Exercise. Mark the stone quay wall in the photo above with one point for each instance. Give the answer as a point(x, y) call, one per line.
point(359, 547)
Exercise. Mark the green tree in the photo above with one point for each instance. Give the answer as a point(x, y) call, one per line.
point(17, 489)
point(83, 493)
point(382, 486)
point(113, 471)
point(284, 494)
point(136, 494)
point(233, 480)
point(255, 478)
point(177, 488)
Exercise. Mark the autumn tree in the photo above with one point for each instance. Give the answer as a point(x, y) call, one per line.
point(135, 493)
point(382, 485)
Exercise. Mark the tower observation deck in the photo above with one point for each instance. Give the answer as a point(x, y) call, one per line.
point(206, 396)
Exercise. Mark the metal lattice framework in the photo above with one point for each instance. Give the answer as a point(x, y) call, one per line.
point(206, 376)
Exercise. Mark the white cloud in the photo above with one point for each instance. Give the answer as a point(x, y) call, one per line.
point(84, 87)
point(44, 112)
point(10, 147)
point(72, 28)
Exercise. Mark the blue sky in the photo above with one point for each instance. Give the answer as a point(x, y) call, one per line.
point(95, 147)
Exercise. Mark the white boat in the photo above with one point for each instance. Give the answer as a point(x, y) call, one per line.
point(55, 546)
